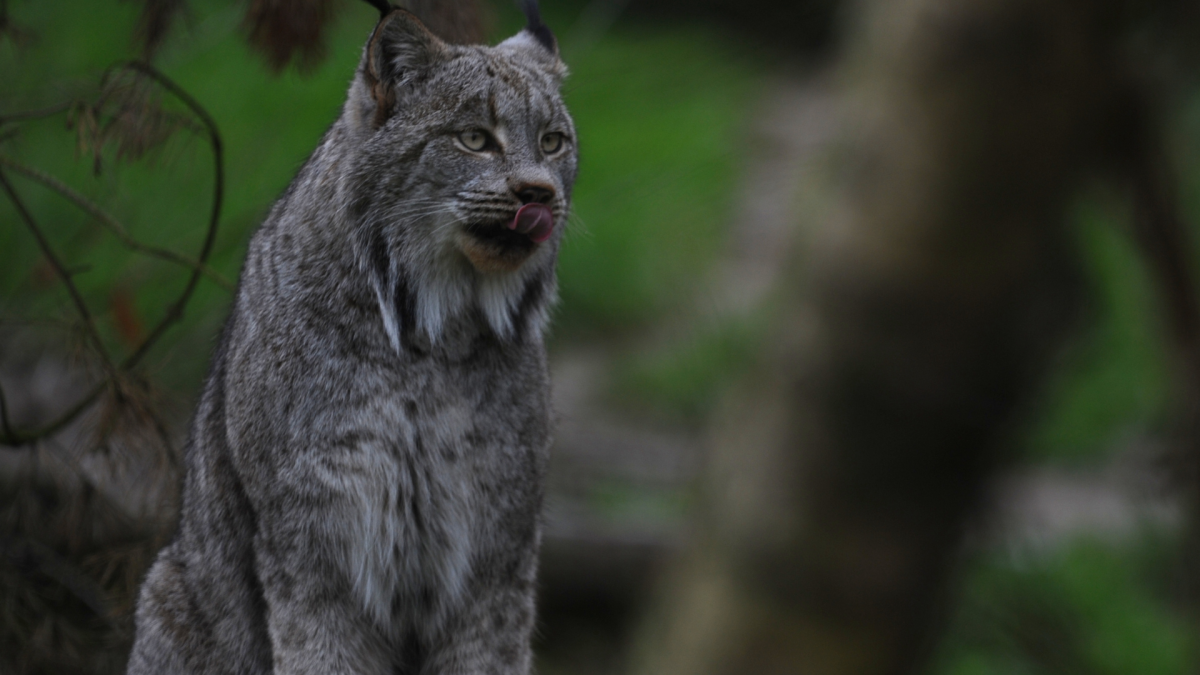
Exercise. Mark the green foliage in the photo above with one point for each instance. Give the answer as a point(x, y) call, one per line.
point(626, 503)
point(1113, 383)
point(660, 117)
point(1087, 608)
point(659, 114)
point(683, 383)
point(268, 124)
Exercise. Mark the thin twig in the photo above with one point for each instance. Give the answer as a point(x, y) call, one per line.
point(1163, 236)
point(5, 425)
point(175, 311)
point(164, 437)
point(17, 438)
point(12, 437)
point(48, 111)
point(112, 224)
point(1166, 244)
point(88, 323)
point(32, 555)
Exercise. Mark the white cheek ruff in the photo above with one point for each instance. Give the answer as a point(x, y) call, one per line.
point(391, 323)
point(428, 284)
point(447, 288)
point(499, 296)
point(441, 295)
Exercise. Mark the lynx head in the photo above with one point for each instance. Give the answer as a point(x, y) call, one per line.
point(461, 177)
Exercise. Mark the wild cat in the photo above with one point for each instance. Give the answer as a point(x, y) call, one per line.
point(364, 472)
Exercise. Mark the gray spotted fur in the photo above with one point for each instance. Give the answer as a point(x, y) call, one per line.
point(365, 467)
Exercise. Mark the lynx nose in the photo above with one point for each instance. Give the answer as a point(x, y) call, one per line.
point(534, 194)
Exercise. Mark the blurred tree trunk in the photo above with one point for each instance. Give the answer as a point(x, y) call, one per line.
point(922, 320)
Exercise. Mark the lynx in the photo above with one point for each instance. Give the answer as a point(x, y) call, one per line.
point(364, 472)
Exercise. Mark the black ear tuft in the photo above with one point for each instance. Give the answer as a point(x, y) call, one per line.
point(383, 6)
point(535, 26)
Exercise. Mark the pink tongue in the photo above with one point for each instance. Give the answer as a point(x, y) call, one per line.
point(535, 220)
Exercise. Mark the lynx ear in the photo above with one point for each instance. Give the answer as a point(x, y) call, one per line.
point(536, 42)
point(399, 54)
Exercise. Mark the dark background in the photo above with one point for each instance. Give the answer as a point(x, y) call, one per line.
point(713, 141)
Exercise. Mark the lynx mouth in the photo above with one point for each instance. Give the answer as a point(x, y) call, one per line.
point(534, 220)
point(503, 245)
point(496, 235)
point(492, 247)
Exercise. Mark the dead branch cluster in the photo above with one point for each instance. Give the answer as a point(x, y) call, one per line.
point(287, 32)
point(72, 546)
point(72, 550)
point(88, 491)
point(124, 116)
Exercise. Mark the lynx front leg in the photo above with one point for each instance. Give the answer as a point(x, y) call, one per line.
point(325, 542)
point(491, 636)
point(316, 624)
point(304, 549)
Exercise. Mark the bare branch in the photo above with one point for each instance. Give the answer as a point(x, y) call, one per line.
point(112, 224)
point(175, 311)
point(155, 21)
point(84, 313)
point(199, 266)
point(5, 426)
point(1164, 240)
point(31, 555)
point(16, 438)
point(40, 113)
point(164, 436)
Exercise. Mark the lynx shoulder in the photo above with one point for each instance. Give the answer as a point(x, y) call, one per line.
point(364, 471)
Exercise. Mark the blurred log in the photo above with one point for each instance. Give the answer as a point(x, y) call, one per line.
point(920, 324)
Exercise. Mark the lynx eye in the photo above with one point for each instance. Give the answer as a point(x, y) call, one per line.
point(552, 143)
point(474, 140)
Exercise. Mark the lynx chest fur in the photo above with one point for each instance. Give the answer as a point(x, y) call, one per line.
point(365, 468)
